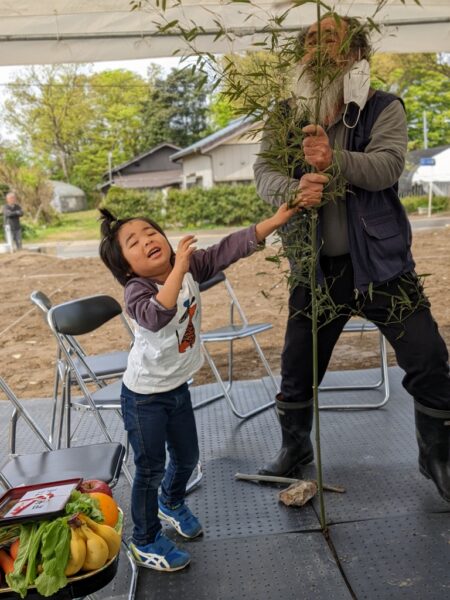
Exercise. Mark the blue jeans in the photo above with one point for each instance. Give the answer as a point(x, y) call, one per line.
point(152, 421)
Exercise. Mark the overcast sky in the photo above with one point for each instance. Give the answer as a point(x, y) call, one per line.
point(139, 66)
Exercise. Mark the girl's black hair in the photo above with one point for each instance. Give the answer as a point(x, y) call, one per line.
point(110, 250)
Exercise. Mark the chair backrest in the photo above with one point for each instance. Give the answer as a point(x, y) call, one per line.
point(42, 301)
point(209, 283)
point(78, 317)
point(234, 302)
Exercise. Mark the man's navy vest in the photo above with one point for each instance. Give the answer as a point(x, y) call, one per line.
point(379, 232)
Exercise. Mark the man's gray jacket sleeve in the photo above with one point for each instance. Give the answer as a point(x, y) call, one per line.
point(273, 187)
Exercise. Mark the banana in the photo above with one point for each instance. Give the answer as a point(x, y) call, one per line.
point(109, 534)
point(96, 550)
point(77, 552)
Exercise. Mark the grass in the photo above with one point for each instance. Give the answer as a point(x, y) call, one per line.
point(76, 226)
point(82, 226)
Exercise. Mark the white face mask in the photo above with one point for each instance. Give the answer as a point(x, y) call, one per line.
point(356, 88)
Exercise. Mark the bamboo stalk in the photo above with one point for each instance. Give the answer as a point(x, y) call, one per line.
point(275, 479)
point(314, 307)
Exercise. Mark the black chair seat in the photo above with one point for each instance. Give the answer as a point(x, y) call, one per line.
point(107, 397)
point(360, 325)
point(234, 332)
point(96, 461)
point(104, 365)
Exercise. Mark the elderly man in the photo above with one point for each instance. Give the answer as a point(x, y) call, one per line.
point(11, 220)
point(358, 137)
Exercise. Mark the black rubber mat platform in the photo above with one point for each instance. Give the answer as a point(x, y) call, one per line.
point(399, 558)
point(228, 507)
point(390, 528)
point(373, 454)
point(266, 567)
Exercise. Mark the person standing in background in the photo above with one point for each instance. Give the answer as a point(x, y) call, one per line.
point(12, 211)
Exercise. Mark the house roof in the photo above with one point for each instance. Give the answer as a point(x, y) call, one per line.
point(62, 188)
point(413, 165)
point(152, 180)
point(141, 156)
point(234, 128)
point(415, 155)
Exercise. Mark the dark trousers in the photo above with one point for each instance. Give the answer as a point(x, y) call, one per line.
point(17, 238)
point(152, 421)
point(398, 308)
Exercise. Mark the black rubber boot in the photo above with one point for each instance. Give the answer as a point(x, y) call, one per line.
point(296, 448)
point(433, 437)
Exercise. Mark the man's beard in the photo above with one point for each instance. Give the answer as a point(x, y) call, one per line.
point(305, 91)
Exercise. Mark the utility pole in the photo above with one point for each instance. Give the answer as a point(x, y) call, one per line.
point(110, 165)
point(425, 130)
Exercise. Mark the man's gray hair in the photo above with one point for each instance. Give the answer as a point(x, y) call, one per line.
point(357, 38)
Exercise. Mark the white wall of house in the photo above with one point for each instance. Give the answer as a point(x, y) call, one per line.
point(230, 162)
point(197, 170)
point(438, 174)
point(234, 162)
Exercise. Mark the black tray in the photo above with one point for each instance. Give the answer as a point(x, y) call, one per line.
point(14, 495)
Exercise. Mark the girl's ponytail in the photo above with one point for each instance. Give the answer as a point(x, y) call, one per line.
point(109, 250)
point(107, 219)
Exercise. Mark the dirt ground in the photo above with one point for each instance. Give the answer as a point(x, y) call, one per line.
point(28, 350)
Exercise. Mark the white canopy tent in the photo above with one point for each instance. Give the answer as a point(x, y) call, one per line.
point(59, 31)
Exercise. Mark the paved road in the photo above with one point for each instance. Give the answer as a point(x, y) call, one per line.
point(205, 239)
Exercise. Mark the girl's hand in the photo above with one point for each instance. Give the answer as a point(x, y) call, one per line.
point(185, 249)
point(283, 214)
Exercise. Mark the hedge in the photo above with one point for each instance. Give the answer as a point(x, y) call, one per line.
point(220, 206)
point(412, 203)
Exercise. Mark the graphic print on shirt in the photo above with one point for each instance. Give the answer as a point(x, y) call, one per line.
point(188, 339)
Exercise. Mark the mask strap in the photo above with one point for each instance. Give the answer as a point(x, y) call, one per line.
point(345, 116)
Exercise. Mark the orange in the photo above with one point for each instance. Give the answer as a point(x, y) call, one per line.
point(108, 506)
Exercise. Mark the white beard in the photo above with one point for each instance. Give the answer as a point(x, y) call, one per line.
point(304, 94)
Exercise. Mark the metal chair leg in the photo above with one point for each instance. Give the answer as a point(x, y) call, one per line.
point(226, 394)
point(383, 381)
point(196, 481)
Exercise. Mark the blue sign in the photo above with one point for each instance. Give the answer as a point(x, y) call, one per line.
point(427, 162)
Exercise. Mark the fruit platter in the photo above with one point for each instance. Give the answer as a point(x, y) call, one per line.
point(58, 539)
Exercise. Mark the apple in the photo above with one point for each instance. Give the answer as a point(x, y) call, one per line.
point(95, 485)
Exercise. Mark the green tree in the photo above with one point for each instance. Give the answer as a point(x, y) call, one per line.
point(48, 108)
point(116, 99)
point(176, 109)
point(422, 80)
point(28, 180)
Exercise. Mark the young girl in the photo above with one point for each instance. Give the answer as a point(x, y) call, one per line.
point(162, 298)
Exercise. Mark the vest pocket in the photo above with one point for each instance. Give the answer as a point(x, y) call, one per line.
point(385, 246)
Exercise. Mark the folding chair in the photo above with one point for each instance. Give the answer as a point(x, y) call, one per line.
point(101, 366)
point(230, 333)
point(94, 461)
point(359, 326)
point(78, 317)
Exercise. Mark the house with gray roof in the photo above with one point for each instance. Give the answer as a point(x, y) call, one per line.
point(425, 167)
point(152, 170)
point(226, 156)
